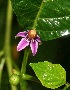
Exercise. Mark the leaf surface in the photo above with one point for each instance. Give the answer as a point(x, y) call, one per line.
point(51, 75)
point(51, 18)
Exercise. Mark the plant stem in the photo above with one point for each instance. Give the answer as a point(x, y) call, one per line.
point(23, 69)
point(2, 62)
point(24, 63)
point(67, 85)
point(1, 69)
point(7, 46)
point(29, 77)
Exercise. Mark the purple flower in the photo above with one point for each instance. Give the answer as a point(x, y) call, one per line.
point(29, 37)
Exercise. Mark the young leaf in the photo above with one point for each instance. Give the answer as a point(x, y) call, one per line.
point(51, 75)
point(51, 18)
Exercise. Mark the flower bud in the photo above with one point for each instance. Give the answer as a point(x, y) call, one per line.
point(14, 79)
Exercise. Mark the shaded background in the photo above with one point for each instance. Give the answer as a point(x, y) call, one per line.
point(55, 51)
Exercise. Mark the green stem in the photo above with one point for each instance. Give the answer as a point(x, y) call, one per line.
point(2, 62)
point(23, 69)
point(65, 88)
point(67, 85)
point(29, 77)
point(24, 63)
point(7, 47)
point(1, 69)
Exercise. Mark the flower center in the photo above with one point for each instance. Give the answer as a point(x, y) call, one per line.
point(32, 34)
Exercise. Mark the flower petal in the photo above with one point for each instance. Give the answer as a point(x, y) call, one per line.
point(38, 38)
point(22, 44)
point(34, 46)
point(22, 34)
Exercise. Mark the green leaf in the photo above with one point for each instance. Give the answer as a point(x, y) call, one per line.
point(51, 18)
point(51, 75)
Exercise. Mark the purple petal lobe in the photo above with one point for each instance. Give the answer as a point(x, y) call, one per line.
point(34, 46)
point(22, 34)
point(38, 38)
point(22, 44)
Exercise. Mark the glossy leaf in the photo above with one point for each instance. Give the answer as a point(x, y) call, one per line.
point(51, 18)
point(51, 75)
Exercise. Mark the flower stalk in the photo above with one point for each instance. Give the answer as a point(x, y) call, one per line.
point(25, 58)
point(23, 68)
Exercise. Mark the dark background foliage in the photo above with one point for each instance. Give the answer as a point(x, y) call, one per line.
point(55, 51)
